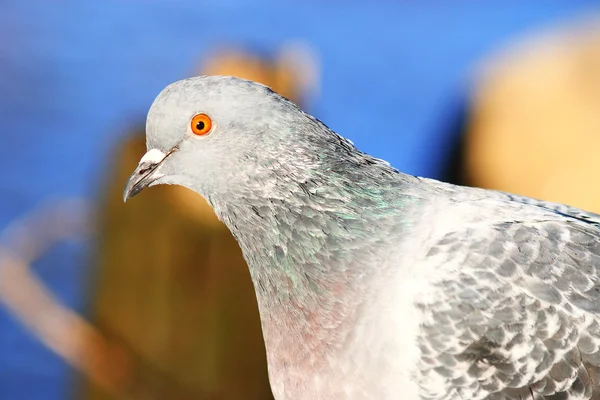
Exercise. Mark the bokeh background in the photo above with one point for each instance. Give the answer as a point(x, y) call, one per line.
point(152, 299)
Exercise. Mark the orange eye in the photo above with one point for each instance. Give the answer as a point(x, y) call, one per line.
point(201, 124)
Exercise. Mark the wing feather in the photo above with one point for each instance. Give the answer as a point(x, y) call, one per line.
point(516, 313)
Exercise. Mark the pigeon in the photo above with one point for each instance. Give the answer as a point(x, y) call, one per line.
point(372, 283)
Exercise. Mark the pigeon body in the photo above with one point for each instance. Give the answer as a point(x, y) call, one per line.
point(374, 284)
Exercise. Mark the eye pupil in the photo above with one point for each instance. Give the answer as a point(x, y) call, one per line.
point(200, 125)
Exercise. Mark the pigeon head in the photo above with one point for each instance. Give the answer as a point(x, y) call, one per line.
point(214, 134)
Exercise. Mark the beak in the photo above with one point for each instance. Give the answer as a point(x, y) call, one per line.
point(145, 173)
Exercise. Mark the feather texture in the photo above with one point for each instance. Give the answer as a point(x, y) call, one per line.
point(373, 284)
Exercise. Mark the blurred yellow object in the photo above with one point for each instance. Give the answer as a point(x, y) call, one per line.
point(172, 283)
point(534, 126)
point(293, 72)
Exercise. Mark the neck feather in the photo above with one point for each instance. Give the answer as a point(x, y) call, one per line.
point(307, 241)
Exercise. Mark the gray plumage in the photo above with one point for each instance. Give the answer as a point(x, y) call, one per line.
point(374, 284)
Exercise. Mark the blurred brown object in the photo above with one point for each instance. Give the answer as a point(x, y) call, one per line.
point(172, 284)
point(293, 72)
point(534, 128)
point(69, 335)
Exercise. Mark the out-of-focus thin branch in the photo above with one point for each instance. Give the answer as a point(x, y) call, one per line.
point(59, 328)
point(105, 360)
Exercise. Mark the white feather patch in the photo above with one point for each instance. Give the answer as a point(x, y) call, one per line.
point(153, 156)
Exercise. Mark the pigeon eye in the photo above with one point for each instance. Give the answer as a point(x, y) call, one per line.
point(201, 124)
